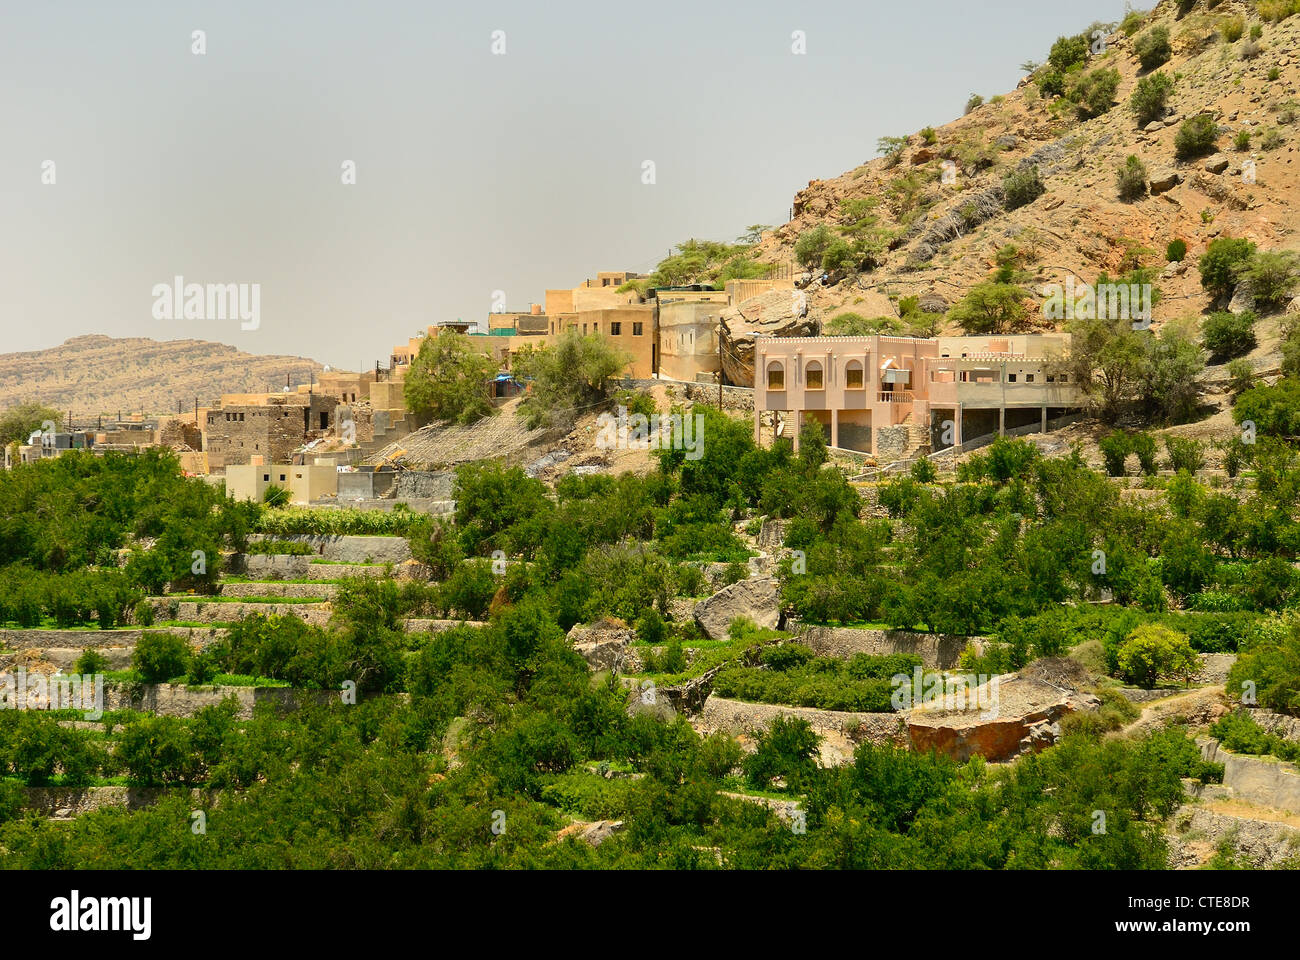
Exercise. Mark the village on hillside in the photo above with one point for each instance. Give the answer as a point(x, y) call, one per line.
point(953, 524)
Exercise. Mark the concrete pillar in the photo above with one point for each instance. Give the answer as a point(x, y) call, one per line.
point(1002, 421)
point(758, 421)
point(797, 427)
point(1044, 420)
point(835, 427)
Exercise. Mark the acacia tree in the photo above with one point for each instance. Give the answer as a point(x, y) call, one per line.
point(991, 307)
point(1107, 358)
point(448, 380)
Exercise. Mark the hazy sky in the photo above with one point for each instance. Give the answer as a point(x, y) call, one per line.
point(475, 172)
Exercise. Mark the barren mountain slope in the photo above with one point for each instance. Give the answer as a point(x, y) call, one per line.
point(1080, 226)
point(97, 374)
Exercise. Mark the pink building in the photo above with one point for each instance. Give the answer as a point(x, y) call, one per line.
point(895, 395)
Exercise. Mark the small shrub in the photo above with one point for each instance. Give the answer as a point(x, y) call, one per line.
point(1240, 376)
point(1220, 263)
point(1274, 73)
point(928, 136)
point(1023, 187)
point(1131, 179)
point(1094, 92)
point(142, 614)
point(1227, 335)
point(1271, 140)
point(1184, 454)
point(1196, 137)
point(1242, 140)
point(1114, 451)
point(924, 471)
point(1176, 250)
point(1153, 48)
point(1232, 28)
point(1272, 276)
point(1154, 651)
point(275, 496)
point(1144, 448)
point(90, 662)
point(1150, 97)
point(1051, 84)
point(973, 101)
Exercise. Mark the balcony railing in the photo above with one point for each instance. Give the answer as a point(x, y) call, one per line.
point(894, 396)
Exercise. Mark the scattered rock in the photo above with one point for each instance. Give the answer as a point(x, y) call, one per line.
point(603, 644)
point(1165, 180)
point(1217, 163)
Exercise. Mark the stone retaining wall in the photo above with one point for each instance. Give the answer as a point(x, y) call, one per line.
point(353, 549)
point(199, 611)
point(79, 640)
point(179, 700)
point(937, 651)
point(1263, 781)
point(320, 591)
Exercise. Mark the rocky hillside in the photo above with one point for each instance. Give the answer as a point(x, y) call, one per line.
point(97, 374)
point(937, 239)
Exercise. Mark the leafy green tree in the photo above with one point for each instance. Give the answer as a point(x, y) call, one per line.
point(812, 244)
point(20, 421)
point(1066, 52)
point(448, 379)
point(1154, 651)
point(572, 374)
point(160, 657)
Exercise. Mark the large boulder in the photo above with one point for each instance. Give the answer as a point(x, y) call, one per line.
point(603, 644)
point(758, 600)
point(999, 718)
point(777, 313)
point(1163, 180)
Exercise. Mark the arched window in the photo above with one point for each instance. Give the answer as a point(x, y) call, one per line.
point(853, 375)
point(813, 374)
point(775, 376)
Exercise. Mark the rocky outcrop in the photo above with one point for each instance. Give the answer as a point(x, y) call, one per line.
point(688, 697)
point(1004, 716)
point(603, 644)
point(840, 731)
point(778, 313)
point(594, 833)
point(756, 599)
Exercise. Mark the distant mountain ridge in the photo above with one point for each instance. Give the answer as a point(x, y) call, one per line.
point(95, 374)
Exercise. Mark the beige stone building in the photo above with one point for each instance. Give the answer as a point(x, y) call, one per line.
point(306, 483)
